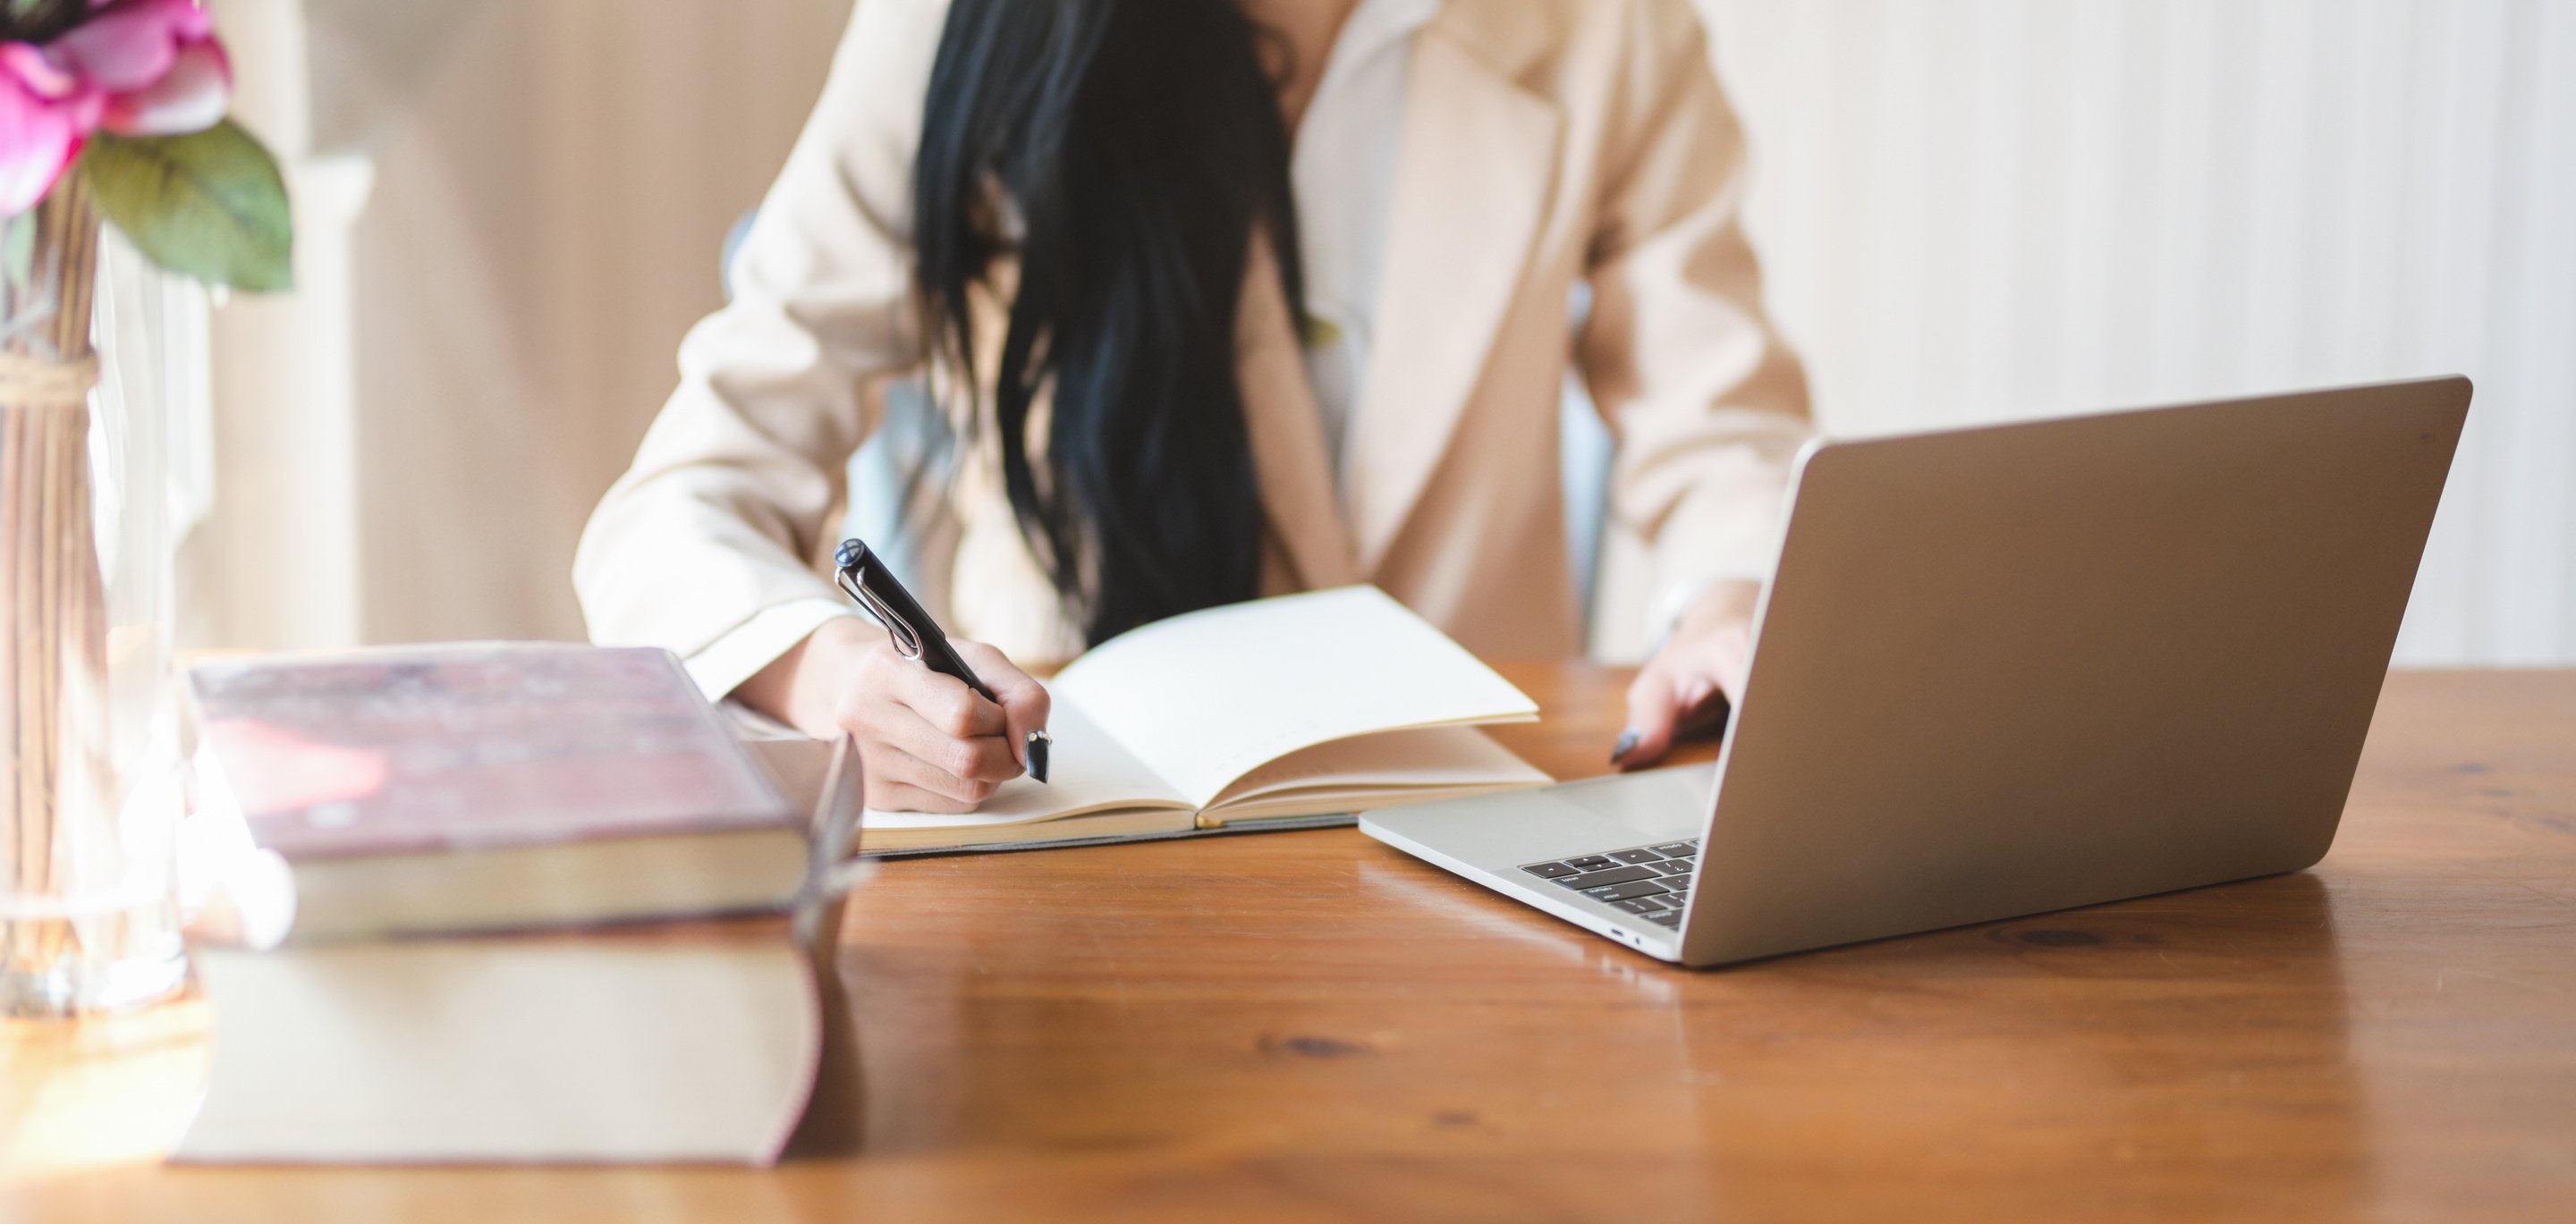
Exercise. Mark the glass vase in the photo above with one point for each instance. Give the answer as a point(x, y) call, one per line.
point(89, 812)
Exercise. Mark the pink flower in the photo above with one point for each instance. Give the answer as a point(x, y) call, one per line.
point(135, 68)
point(45, 115)
point(156, 60)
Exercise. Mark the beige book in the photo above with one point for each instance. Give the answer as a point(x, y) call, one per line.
point(1273, 712)
point(636, 1045)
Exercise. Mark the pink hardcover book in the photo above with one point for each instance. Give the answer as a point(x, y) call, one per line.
point(457, 786)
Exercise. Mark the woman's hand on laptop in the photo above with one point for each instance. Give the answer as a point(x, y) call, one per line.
point(927, 743)
point(1686, 686)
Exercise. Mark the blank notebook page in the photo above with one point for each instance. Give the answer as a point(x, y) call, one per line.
point(1207, 697)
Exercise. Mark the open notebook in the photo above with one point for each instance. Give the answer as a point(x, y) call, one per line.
point(1279, 710)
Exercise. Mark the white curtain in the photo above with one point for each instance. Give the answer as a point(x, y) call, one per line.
point(1987, 209)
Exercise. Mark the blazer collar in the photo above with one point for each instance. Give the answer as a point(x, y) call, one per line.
point(1286, 431)
point(1475, 167)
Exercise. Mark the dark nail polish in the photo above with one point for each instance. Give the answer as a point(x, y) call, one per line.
point(1627, 744)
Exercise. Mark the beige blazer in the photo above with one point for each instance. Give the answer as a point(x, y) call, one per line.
point(1546, 143)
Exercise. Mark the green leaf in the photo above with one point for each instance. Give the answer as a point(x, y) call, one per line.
point(209, 205)
point(41, 21)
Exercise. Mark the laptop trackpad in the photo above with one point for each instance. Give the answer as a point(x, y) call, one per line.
point(1499, 832)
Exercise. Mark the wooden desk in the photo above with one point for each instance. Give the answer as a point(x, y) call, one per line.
point(1310, 1026)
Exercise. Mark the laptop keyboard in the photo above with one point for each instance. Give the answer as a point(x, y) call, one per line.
point(1652, 882)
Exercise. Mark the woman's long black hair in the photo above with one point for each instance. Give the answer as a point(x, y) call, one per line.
point(1141, 146)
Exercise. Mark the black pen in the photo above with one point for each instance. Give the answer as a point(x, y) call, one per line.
point(916, 636)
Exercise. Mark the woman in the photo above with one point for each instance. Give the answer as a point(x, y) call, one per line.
point(1225, 300)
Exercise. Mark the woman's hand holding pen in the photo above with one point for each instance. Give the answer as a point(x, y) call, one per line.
point(1687, 686)
point(927, 743)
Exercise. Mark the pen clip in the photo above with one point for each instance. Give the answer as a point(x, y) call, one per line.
point(907, 640)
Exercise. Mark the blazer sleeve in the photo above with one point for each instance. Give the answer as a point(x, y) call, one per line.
point(725, 514)
point(1707, 404)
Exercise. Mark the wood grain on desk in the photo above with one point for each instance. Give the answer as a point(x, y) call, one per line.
point(1311, 1026)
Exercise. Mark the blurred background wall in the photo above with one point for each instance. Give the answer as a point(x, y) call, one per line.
point(1971, 210)
point(532, 196)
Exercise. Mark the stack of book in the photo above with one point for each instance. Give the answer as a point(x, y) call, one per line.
point(543, 910)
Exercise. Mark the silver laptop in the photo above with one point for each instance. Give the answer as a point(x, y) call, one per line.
point(2012, 669)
